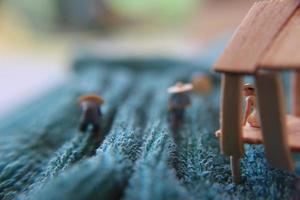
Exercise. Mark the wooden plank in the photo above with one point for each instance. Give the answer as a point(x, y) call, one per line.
point(231, 116)
point(259, 28)
point(253, 135)
point(296, 93)
point(272, 111)
point(284, 52)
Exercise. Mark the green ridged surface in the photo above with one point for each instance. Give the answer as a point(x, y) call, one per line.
point(43, 156)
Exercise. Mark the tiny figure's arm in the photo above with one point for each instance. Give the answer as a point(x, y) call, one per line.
point(247, 112)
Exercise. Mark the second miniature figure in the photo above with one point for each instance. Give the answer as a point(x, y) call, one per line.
point(179, 100)
point(91, 113)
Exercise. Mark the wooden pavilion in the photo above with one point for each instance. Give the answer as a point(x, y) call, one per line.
point(266, 42)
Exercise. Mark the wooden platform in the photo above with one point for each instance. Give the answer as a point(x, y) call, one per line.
point(253, 135)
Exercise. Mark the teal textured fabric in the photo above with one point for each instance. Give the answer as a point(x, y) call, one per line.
point(43, 156)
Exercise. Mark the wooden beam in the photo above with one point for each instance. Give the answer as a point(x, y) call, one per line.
point(284, 52)
point(256, 32)
point(235, 169)
point(296, 93)
point(231, 116)
point(231, 122)
point(272, 111)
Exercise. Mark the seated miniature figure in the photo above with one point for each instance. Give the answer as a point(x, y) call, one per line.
point(179, 101)
point(251, 116)
point(91, 113)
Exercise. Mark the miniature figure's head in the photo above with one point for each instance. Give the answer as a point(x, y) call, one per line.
point(249, 90)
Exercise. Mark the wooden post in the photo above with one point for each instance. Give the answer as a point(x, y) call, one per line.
point(296, 93)
point(235, 169)
point(231, 121)
point(272, 113)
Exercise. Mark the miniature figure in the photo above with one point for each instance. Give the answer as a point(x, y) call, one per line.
point(179, 101)
point(202, 83)
point(91, 113)
point(251, 113)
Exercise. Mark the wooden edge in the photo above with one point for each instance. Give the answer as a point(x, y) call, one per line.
point(257, 141)
point(243, 73)
point(296, 93)
point(279, 67)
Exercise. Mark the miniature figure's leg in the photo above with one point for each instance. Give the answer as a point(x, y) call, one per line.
point(172, 116)
point(83, 126)
point(96, 128)
point(178, 114)
point(176, 117)
point(97, 132)
point(173, 121)
point(181, 114)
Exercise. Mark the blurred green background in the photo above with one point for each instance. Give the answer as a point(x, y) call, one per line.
point(98, 14)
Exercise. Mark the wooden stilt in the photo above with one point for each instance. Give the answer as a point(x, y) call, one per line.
point(231, 122)
point(272, 113)
point(235, 169)
point(296, 94)
point(231, 116)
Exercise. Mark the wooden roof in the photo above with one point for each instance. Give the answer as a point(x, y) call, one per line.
point(256, 33)
point(284, 53)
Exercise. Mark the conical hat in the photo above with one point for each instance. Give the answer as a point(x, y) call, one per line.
point(180, 88)
point(249, 86)
point(92, 97)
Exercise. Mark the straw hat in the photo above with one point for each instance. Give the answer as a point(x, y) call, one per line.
point(180, 88)
point(249, 86)
point(93, 97)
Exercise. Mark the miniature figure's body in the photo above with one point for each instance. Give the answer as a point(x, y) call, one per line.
point(91, 113)
point(251, 113)
point(178, 102)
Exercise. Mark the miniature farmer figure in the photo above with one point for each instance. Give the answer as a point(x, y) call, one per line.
point(179, 101)
point(251, 113)
point(91, 113)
